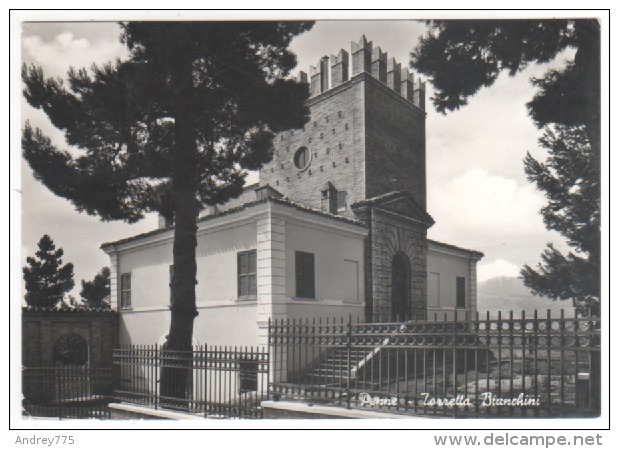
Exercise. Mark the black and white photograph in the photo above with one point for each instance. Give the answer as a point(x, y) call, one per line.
point(258, 220)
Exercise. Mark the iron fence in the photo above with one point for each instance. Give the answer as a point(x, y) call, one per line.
point(513, 366)
point(67, 391)
point(222, 382)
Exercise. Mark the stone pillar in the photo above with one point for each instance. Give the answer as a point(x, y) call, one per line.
point(114, 281)
point(361, 54)
point(419, 95)
point(271, 278)
point(393, 74)
point(319, 77)
point(473, 288)
point(339, 68)
point(406, 84)
point(379, 65)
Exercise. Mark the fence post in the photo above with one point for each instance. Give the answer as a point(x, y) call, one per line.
point(157, 369)
point(348, 343)
point(454, 362)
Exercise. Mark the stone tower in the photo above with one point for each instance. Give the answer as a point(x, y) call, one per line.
point(362, 154)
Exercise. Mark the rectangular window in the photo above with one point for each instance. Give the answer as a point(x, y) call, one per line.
point(460, 293)
point(125, 291)
point(246, 269)
point(304, 274)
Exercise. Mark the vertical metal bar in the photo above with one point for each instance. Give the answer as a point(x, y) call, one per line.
point(454, 361)
point(477, 349)
point(535, 361)
point(523, 326)
point(434, 372)
point(500, 337)
point(511, 358)
point(548, 360)
point(397, 373)
point(305, 353)
point(204, 379)
point(425, 374)
point(289, 341)
point(218, 363)
point(313, 341)
point(294, 338)
point(211, 378)
point(321, 374)
point(415, 371)
point(562, 361)
point(489, 343)
point(348, 367)
point(406, 388)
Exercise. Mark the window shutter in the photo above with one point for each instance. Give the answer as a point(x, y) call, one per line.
point(125, 290)
point(305, 275)
point(460, 292)
point(246, 269)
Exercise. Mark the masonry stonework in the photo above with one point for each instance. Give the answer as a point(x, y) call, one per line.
point(335, 138)
point(41, 329)
point(365, 138)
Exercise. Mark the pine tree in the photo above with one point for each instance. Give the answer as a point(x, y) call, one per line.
point(47, 279)
point(567, 100)
point(96, 293)
point(173, 128)
point(570, 181)
point(462, 56)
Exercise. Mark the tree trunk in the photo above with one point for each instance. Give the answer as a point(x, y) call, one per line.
point(174, 380)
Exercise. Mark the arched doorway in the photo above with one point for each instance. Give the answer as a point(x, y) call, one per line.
point(400, 287)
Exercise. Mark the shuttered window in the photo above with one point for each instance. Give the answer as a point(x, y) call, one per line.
point(247, 274)
point(341, 201)
point(304, 273)
point(460, 292)
point(125, 291)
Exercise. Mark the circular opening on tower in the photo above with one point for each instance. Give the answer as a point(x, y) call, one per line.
point(302, 158)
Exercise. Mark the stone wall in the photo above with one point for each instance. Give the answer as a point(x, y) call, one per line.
point(41, 329)
point(335, 138)
point(390, 234)
point(395, 145)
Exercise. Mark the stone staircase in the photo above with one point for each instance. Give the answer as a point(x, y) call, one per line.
point(338, 368)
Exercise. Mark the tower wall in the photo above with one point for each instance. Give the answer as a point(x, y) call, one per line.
point(395, 143)
point(366, 137)
point(335, 138)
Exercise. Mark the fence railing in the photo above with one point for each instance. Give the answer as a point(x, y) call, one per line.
point(514, 365)
point(67, 391)
point(217, 381)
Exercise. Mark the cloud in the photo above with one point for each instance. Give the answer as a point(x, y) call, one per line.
point(497, 268)
point(478, 201)
point(56, 54)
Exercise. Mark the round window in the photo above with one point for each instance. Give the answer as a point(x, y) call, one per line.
point(302, 158)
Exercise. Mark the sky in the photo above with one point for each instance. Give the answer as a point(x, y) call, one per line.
point(478, 194)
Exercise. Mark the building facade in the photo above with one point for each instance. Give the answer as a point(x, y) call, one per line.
point(337, 225)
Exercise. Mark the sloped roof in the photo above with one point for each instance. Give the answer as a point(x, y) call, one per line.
point(458, 248)
point(238, 209)
point(391, 197)
point(76, 310)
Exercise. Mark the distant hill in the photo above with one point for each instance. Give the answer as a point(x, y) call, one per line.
point(509, 293)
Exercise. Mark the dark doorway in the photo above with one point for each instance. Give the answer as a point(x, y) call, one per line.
point(400, 287)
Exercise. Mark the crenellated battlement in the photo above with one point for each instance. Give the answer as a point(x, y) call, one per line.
point(332, 71)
